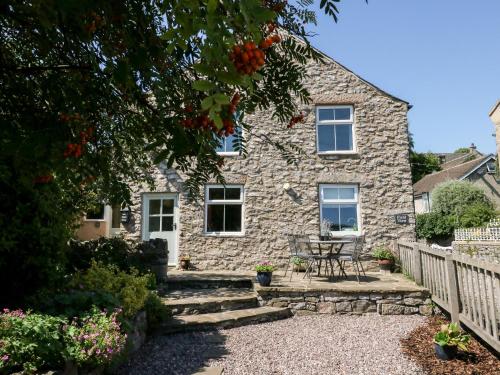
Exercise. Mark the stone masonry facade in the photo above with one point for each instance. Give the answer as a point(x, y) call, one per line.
point(353, 303)
point(380, 167)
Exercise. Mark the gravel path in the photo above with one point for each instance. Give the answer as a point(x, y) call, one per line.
point(336, 344)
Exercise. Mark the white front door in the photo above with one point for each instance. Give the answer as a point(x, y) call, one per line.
point(160, 218)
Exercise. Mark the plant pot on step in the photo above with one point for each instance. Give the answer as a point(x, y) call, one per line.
point(264, 278)
point(445, 352)
point(385, 265)
point(185, 263)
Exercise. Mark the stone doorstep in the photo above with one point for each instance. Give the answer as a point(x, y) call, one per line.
point(197, 305)
point(210, 371)
point(225, 319)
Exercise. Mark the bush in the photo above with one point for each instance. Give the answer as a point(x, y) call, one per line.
point(94, 340)
point(476, 215)
point(455, 197)
point(433, 226)
point(131, 289)
point(72, 303)
point(33, 342)
point(30, 342)
point(383, 253)
point(156, 311)
point(116, 251)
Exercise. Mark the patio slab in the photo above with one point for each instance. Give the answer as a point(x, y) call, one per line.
point(374, 283)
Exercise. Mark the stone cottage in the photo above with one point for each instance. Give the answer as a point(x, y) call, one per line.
point(355, 176)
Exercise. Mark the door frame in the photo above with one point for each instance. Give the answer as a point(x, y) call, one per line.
point(144, 227)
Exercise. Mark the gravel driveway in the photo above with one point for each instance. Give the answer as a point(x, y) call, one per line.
point(334, 344)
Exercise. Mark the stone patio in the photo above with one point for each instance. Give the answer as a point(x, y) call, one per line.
point(200, 292)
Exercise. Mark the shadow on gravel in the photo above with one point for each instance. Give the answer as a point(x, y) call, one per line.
point(176, 354)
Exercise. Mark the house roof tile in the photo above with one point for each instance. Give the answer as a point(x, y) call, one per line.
point(456, 172)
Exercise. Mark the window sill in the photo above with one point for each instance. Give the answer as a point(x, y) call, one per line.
point(224, 234)
point(338, 155)
point(95, 220)
point(345, 233)
point(228, 154)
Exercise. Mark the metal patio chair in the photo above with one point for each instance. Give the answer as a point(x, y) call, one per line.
point(315, 259)
point(296, 252)
point(353, 256)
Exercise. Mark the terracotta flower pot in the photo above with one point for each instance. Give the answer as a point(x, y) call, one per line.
point(185, 263)
point(385, 264)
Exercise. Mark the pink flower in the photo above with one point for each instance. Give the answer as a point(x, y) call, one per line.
point(5, 358)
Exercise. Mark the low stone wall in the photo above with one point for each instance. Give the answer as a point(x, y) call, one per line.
point(328, 302)
point(485, 250)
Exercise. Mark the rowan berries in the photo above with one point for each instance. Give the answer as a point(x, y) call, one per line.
point(295, 119)
point(247, 58)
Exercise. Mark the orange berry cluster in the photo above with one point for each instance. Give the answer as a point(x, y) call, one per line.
point(248, 57)
point(202, 121)
point(76, 149)
point(296, 119)
point(45, 179)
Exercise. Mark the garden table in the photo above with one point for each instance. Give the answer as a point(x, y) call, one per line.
point(330, 246)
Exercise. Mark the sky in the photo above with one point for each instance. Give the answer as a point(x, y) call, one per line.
point(442, 56)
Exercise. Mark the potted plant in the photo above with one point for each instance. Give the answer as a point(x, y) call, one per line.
point(299, 265)
point(325, 227)
point(448, 340)
point(264, 273)
point(185, 262)
point(385, 258)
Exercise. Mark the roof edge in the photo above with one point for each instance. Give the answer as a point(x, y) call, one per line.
point(487, 158)
point(354, 74)
point(494, 108)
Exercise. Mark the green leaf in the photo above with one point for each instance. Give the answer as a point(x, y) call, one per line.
point(257, 76)
point(221, 98)
point(211, 6)
point(207, 102)
point(203, 85)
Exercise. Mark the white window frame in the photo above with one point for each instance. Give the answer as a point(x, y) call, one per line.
point(355, 200)
point(105, 215)
point(240, 201)
point(232, 153)
point(336, 122)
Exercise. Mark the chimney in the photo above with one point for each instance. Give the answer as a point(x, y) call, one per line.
point(473, 147)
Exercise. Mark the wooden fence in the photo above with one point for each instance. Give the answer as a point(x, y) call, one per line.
point(469, 289)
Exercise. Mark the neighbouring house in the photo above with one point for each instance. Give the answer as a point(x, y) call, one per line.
point(470, 166)
point(355, 174)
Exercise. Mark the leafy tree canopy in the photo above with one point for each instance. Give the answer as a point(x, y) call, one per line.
point(94, 93)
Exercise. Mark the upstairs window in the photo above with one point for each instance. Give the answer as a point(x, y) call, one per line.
point(334, 128)
point(224, 209)
point(339, 206)
point(95, 213)
point(230, 145)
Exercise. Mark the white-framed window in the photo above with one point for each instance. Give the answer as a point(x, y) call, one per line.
point(224, 209)
point(95, 213)
point(231, 145)
point(339, 206)
point(335, 129)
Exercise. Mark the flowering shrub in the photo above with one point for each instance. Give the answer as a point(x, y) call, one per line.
point(30, 342)
point(95, 339)
point(264, 267)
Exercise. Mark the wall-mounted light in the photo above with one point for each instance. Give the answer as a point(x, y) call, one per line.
point(125, 215)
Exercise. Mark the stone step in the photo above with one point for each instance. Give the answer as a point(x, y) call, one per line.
point(207, 303)
point(225, 319)
point(177, 283)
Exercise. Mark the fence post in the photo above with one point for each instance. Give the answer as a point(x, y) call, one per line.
point(451, 281)
point(417, 261)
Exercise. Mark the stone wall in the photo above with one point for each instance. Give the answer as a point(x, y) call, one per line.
point(380, 167)
point(318, 302)
point(488, 251)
